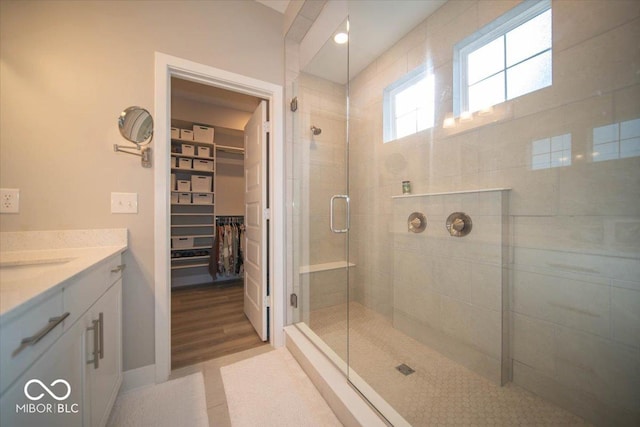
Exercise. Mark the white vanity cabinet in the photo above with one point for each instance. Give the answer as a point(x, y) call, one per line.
point(64, 360)
point(86, 354)
point(103, 355)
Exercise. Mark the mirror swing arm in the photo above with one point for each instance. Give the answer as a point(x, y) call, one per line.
point(136, 126)
point(144, 152)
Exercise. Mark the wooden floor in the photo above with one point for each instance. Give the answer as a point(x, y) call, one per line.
point(208, 322)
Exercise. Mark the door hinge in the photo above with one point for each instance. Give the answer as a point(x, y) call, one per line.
point(266, 301)
point(266, 127)
point(294, 104)
point(293, 300)
point(266, 213)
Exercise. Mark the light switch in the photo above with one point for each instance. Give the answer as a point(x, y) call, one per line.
point(124, 203)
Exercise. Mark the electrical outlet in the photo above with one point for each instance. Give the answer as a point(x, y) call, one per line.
point(9, 200)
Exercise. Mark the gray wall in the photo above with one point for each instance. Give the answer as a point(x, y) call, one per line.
point(67, 69)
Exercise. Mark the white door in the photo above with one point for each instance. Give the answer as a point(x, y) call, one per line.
point(255, 178)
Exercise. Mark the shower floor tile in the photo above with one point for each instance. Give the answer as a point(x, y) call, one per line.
point(440, 391)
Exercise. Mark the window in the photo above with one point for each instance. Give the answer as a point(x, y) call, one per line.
point(508, 58)
point(616, 141)
point(408, 105)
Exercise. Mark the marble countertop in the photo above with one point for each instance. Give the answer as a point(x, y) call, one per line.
point(29, 273)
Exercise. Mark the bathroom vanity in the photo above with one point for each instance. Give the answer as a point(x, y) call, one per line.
point(60, 326)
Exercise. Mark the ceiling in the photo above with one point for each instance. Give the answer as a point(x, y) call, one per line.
point(278, 5)
point(374, 26)
point(213, 95)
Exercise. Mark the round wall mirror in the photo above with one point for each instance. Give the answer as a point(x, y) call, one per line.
point(136, 125)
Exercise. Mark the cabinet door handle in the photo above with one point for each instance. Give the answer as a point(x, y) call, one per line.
point(96, 343)
point(118, 268)
point(33, 340)
point(101, 322)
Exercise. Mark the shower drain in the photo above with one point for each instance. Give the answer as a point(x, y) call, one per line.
point(404, 369)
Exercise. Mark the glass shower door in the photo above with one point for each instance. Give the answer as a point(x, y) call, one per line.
point(321, 202)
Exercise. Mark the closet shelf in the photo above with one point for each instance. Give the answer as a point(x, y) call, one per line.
point(230, 149)
point(192, 248)
point(191, 214)
point(191, 141)
point(192, 204)
point(192, 192)
point(189, 156)
point(192, 170)
point(193, 225)
point(235, 162)
point(180, 267)
point(195, 236)
point(190, 258)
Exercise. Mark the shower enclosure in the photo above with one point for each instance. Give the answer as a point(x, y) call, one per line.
point(504, 286)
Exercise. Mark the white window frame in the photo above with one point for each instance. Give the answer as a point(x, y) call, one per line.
point(517, 16)
point(389, 106)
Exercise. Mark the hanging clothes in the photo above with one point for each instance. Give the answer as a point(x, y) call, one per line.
point(229, 247)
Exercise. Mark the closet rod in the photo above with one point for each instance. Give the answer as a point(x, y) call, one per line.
point(229, 219)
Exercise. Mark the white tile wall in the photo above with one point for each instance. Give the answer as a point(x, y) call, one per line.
point(576, 256)
point(575, 259)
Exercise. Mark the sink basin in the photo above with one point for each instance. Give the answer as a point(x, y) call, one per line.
point(21, 270)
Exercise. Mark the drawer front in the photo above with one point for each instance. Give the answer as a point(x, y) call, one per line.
point(83, 290)
point(34, 323)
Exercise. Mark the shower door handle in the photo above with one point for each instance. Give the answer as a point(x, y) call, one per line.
point(346, 199)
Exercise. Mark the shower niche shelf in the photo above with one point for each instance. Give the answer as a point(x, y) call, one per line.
point(445, 193)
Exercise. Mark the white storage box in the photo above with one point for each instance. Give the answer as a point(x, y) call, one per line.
point(202, 199)
point(185, 163)
point(175, 133)
point(182, 242)
point(204, 151)
point(173, 181)
point(184, 198)
point(174, 198)
point(201, 183)
point(188, 150)
point(184, 185)
point(186, 134)
point(174, 162)
point(202, 165)
point(203, 134)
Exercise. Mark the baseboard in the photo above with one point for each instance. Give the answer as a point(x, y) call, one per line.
point(139, 377)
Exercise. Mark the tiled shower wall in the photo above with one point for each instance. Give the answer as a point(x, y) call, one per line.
point(575, 270)
point(319, 162)
point(448, 291)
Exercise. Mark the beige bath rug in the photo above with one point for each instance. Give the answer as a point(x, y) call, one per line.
point(179, 402)
point(272, 390)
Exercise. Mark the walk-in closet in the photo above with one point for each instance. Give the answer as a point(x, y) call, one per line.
point(208, 231)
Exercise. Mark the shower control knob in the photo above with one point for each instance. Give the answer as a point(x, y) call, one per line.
point(459, 224)
point(417, 222)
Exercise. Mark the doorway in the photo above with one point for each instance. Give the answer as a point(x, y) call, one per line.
point(271, 216)
point(218, 174)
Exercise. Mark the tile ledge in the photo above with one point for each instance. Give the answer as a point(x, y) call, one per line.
point(484, 190)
